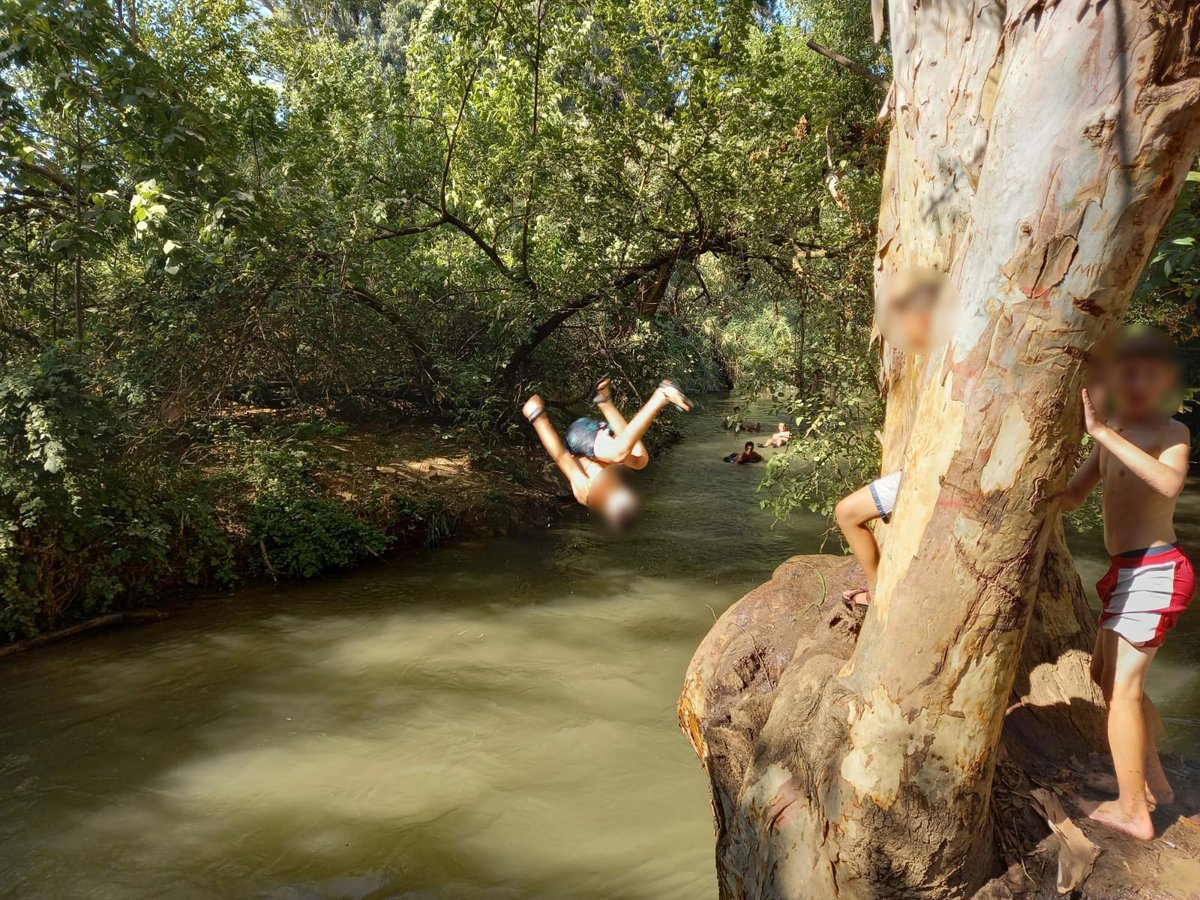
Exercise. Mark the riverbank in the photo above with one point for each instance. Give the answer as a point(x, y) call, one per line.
point(259, 494)
point(262, 494)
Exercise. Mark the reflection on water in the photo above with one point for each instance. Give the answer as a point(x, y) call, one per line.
point(494, 719)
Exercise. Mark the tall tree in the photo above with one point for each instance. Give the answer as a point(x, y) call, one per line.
point(1037, 149)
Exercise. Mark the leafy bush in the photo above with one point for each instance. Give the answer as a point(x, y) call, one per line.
point(833, 451)
point(298, 531)
point(86, 517)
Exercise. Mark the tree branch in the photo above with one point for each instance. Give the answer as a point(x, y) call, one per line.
point(651, 268)
point(452, 138)
point(488, 249)
point(847, 63)
point(410, 230)
point(63, 182)
point(21, 334)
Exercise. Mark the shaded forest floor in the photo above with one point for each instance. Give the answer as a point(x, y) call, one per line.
point(419, 479)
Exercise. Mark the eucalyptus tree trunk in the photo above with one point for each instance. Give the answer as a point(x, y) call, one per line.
point(1037, 149)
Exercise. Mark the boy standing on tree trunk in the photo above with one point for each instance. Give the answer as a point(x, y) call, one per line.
point(1142, 458)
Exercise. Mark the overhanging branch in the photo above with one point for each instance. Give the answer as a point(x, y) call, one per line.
point(847, 63)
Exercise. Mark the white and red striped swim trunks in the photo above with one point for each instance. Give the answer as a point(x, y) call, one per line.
point(1144, 592)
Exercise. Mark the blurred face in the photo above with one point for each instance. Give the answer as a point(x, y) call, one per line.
point(782, 428)
point(749, 446)
point(621, 507)
point(1142, 387)
point(914, 318)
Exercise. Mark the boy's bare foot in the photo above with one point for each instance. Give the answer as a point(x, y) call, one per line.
point(1110, 814)
point(533, 407)
point(675, 395)
point(857, 597)
point(603, 391)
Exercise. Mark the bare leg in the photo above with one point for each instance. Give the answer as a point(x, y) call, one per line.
point(1158, 786)
point(564, 458)
point(1130, 812)
point(618, 449)
point(853, 513)
point(639, 456)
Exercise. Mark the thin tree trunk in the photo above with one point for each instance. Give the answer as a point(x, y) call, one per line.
point(78, 290)
point(1036, 153)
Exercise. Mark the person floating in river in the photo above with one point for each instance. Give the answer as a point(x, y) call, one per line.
point(914, 311)
point(780, 438)
point(733, 421)
point(596, 451)
point(1142, 458)
point(748, 455)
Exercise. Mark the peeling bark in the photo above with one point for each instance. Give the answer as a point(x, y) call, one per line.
point(1037, 149)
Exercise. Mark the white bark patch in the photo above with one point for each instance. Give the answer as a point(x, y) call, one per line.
point(882, 740)
point(927, 459)
point(1008, 454)
point(976, 695)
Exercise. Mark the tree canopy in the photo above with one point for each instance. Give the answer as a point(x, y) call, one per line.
point(417, 207)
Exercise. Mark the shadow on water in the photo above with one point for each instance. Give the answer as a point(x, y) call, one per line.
point(493, 719)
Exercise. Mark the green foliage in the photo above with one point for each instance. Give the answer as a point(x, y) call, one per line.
point(1169, 293)
point(300, 531)
point(834, 450)
point(85, 521)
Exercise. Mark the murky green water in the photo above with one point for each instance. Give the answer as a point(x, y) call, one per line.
point(494, 719)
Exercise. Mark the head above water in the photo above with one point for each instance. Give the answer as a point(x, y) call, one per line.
point(914, 309)
point(781, 427)
point(1143, 374)
point(749, 445)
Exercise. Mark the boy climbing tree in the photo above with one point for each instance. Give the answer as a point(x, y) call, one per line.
point(912, 314)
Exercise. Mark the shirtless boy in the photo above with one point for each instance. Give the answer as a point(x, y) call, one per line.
point(596, 451)
point(1142, 458)
point(908, 321)
point(780, 438)
point(748, 455)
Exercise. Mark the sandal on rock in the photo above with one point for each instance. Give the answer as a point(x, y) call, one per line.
point(851, 598)
point(675, 394)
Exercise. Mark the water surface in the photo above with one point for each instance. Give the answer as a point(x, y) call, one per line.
point(493, 719)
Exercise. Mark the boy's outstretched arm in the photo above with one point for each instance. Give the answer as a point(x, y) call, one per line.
point(1166, 474)
point(1083, 482)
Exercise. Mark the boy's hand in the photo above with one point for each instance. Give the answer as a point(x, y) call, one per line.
point(1092, 420)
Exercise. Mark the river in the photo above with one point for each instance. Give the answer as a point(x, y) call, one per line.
point(492, 719)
